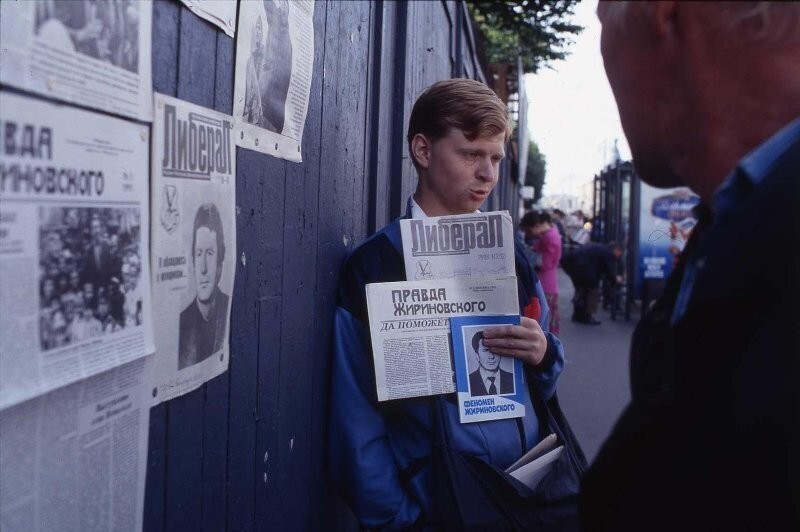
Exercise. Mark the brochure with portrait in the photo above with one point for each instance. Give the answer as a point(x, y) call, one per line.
point(488, 386)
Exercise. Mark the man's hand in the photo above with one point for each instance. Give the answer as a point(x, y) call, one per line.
point(525, 341)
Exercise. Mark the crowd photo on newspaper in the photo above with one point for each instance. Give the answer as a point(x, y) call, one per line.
point(89, 273)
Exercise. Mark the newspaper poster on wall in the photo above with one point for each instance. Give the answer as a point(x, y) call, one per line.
point(74, 241)
point(409, 323)
point(75, 458)
point(95, 54)
point(488, 386)
point(468, 245)
point(193, 244)
point(274, 63)
point(221, 13)
point(665, 223)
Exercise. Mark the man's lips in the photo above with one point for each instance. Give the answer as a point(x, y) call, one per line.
point(479, 194)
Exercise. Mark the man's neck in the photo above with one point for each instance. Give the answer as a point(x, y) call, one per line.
point(205, 307)
point(486, 373)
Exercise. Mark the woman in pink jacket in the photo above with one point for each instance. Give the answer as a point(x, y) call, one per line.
point(547, 244)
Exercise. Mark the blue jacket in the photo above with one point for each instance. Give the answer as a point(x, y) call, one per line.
point(379, 452)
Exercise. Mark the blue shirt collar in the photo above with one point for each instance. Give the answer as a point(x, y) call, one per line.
point(757, 164)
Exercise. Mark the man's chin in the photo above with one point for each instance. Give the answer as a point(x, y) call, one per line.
point(656, 175)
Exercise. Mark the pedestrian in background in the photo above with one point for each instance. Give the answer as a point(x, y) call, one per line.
point(586, 267)
point(709, 98)
point(539, 226)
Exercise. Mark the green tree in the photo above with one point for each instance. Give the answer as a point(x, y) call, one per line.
point(537, 30)
point(535, 171)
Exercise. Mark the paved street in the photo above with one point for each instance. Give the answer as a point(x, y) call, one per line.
point(594, 387)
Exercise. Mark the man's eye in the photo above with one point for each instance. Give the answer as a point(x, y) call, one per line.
point(470, 156)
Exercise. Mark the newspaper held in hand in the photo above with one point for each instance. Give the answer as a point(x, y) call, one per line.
point(409, 325)
point(532, 467)
point(463, 246)
point(489, 386)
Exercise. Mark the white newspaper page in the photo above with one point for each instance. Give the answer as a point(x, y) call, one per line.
point(409, 324)
point(274, 63)
point(193, 244)
point(463, 246)
point(221, 13)
point(87, 52)
point(74, 246)
point(75, 458)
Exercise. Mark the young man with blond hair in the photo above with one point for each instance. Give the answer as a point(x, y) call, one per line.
point(379, 453)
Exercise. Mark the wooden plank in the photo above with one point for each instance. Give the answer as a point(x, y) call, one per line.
point(341, 212)
point(402, 170)
point(166, 24)
point(185, 421)
point(215, 415)
point(269, 481)
point(269, 515)
point(385, 127)
point(298, 453)
point(245, 319)
point(166, 32)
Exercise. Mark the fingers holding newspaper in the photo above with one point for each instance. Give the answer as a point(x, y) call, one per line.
point(525, 341)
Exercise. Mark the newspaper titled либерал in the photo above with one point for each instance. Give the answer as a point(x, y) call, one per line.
point(274, 64)
point(193, 243)
point(95, 54)
point(409, 324)
point(74, 246)
point(468, 245)
point(75, 459)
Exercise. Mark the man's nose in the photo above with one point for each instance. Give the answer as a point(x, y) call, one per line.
point(203, 264)
point(485, 169)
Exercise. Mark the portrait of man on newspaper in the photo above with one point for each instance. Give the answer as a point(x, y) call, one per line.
point(489, 378)
point(203, 323)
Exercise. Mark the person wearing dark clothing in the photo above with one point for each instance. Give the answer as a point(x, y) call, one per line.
point(202, 335)
point(203, 323)
point(586, 267)
point(711, 436)
point(99, 265)
point(489, 378)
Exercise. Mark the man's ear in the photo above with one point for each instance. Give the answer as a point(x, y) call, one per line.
point(421, 150)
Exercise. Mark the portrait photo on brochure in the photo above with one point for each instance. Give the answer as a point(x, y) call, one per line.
point(489, 386)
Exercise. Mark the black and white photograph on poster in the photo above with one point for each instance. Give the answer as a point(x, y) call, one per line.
point(90, 270)
point(221, 13)
point(94, 53)
point(204, 322)
point(74, 245)
point(274, 61)
point(108, 30)
point(193, 237)
point(489, 386)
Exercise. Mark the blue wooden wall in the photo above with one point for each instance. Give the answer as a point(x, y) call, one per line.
point(246, 451)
